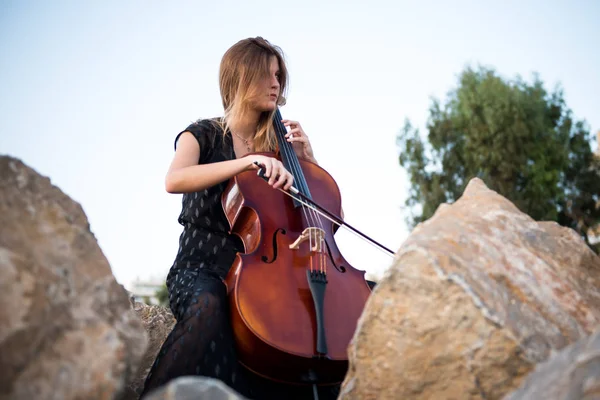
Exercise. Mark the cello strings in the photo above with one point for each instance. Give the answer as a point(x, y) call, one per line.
point(341, 225)
point(287, 148)
point(310, 216)
point(288, 151)
point(295, 165)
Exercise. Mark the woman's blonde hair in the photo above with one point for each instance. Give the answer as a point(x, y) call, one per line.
point(243, 66)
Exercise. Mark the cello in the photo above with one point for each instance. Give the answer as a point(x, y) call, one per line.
point(294, 300)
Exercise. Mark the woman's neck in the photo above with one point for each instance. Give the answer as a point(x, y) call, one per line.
point(246, 127)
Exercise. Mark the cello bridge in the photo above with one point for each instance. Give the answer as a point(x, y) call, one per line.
point(315, 237)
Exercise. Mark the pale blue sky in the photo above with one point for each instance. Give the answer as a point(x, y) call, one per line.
point(93, 94)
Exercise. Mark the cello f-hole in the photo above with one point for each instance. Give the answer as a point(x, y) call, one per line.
point(341, 268)
point(265, 258)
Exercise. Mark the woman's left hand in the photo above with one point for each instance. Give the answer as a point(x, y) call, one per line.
point(299, 140)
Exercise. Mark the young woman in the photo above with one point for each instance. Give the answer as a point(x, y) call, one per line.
point(208, 153)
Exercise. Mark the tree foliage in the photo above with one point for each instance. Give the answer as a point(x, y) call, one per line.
point(521, 140)
point(162, 295)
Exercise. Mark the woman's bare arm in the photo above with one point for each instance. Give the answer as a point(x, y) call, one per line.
point(185, 175)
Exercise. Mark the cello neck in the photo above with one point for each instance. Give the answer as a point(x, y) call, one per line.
point(289, 157)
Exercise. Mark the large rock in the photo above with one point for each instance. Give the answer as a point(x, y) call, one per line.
point(67, 330)
point(477, 296)
point(571, 374)
point(158, 322)
point(194, 388)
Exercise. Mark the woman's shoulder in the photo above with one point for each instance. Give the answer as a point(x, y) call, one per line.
point(207, 131)
point(205, 125)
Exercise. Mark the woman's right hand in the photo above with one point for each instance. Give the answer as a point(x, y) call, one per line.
point(276, 173)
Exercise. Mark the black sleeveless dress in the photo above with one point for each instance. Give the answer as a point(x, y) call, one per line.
point(201, 342)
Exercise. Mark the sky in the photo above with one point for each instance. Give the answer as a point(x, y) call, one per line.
point(94, 93)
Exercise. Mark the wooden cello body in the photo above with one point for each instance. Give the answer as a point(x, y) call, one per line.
point(295, 301)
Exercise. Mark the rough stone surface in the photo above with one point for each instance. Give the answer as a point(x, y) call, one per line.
point(572, 374)
point(194, 388)
point(67, 330)
point(158, 322)
point(476, 297)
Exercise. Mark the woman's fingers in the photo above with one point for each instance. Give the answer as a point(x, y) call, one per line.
point(288, 122)
point(275, 172)
point(268, 167)
point(295, 132)
point(295, 128)
point(297, 139)
point(289, 182)
point(281, 179)
point(285, 180)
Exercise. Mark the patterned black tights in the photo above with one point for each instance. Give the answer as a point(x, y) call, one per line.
point(201, 343)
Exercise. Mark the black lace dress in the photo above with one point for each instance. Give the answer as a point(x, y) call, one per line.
point(201, 342)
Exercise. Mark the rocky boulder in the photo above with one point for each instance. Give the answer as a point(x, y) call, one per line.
point(477, 296)
point(194, 388)
point(158, 322)
point(571, 374)
point(67, 330)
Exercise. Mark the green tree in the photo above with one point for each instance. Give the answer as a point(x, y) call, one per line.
point(522, 141)
point(162, 295)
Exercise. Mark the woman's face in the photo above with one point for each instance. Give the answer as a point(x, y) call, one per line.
point(267, 91)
